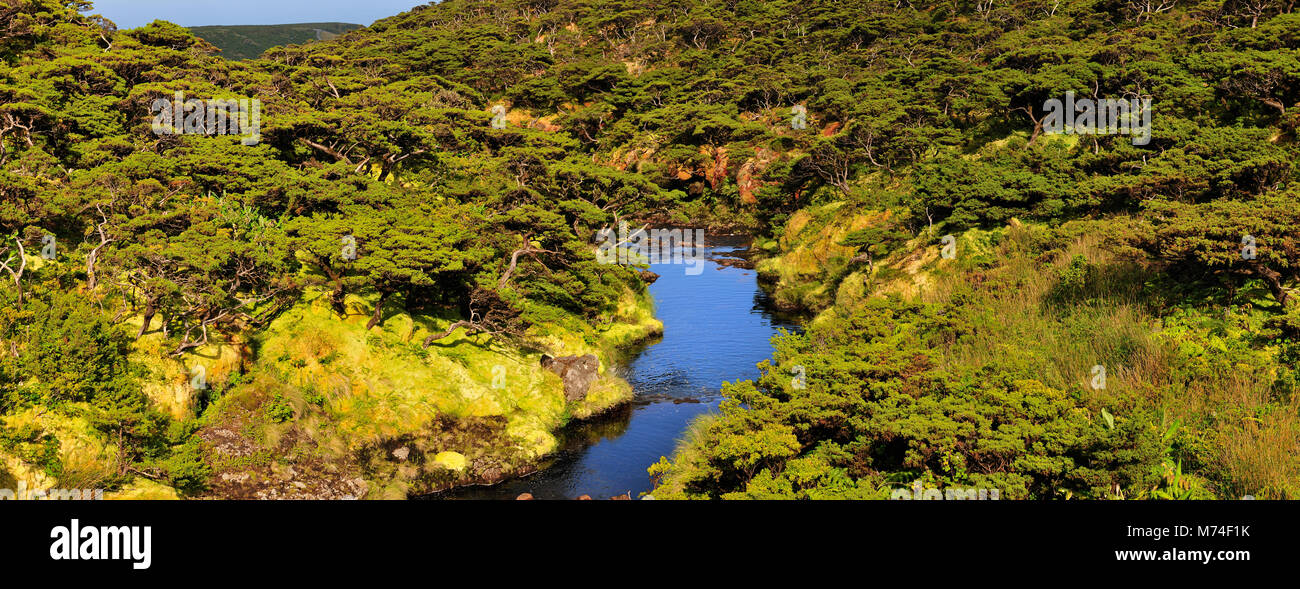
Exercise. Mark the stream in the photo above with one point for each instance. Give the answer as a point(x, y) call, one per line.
point(717, 327)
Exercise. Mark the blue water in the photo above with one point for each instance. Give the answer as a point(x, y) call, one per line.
point(716, 329)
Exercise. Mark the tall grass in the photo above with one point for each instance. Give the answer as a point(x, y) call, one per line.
point(1056, 315)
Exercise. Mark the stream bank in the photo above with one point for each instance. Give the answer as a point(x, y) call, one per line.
point(717, 328)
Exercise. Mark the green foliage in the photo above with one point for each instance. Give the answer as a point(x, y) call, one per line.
point(987, 385)
point(1074, 276)
point(33, 446)
point(71, 351)
point(682, 112)
point(278, 409)
point(187, 468)
point(877, 241)
point(878, 403)
point(1257, 238)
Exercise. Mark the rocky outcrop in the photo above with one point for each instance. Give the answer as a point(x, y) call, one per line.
point(715, 173)
point(748, 176)
point(577, 372)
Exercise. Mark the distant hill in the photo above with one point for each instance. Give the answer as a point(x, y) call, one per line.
point(249, 41)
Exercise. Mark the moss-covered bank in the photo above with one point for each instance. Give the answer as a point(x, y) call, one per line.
point(331, 409)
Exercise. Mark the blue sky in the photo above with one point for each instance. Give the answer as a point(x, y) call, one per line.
point(134, 13)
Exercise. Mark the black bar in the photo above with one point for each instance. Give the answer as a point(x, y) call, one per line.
point(302, 540)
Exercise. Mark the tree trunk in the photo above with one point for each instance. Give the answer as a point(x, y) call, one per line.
point(1274, 281)
point(1281, 108)
point(337, 296)
point(451, 328)
point(149, 311)
point(379, 311)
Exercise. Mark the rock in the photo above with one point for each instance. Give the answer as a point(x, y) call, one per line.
point(717, 172)
point(229, 477)
point(748, 176)
point(401, 453)
point(584, 497)
point(545, 124)
point(647, 276)
point(624, 497)
point(577, 372)
point(524, 497)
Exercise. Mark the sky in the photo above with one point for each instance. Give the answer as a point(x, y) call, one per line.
point(135, 13)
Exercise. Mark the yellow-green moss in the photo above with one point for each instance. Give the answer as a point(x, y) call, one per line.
point(142, 489)
point(170, 381)
point(451, 460)
point(85, 458)
point(355, 390)
point(808, 250)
